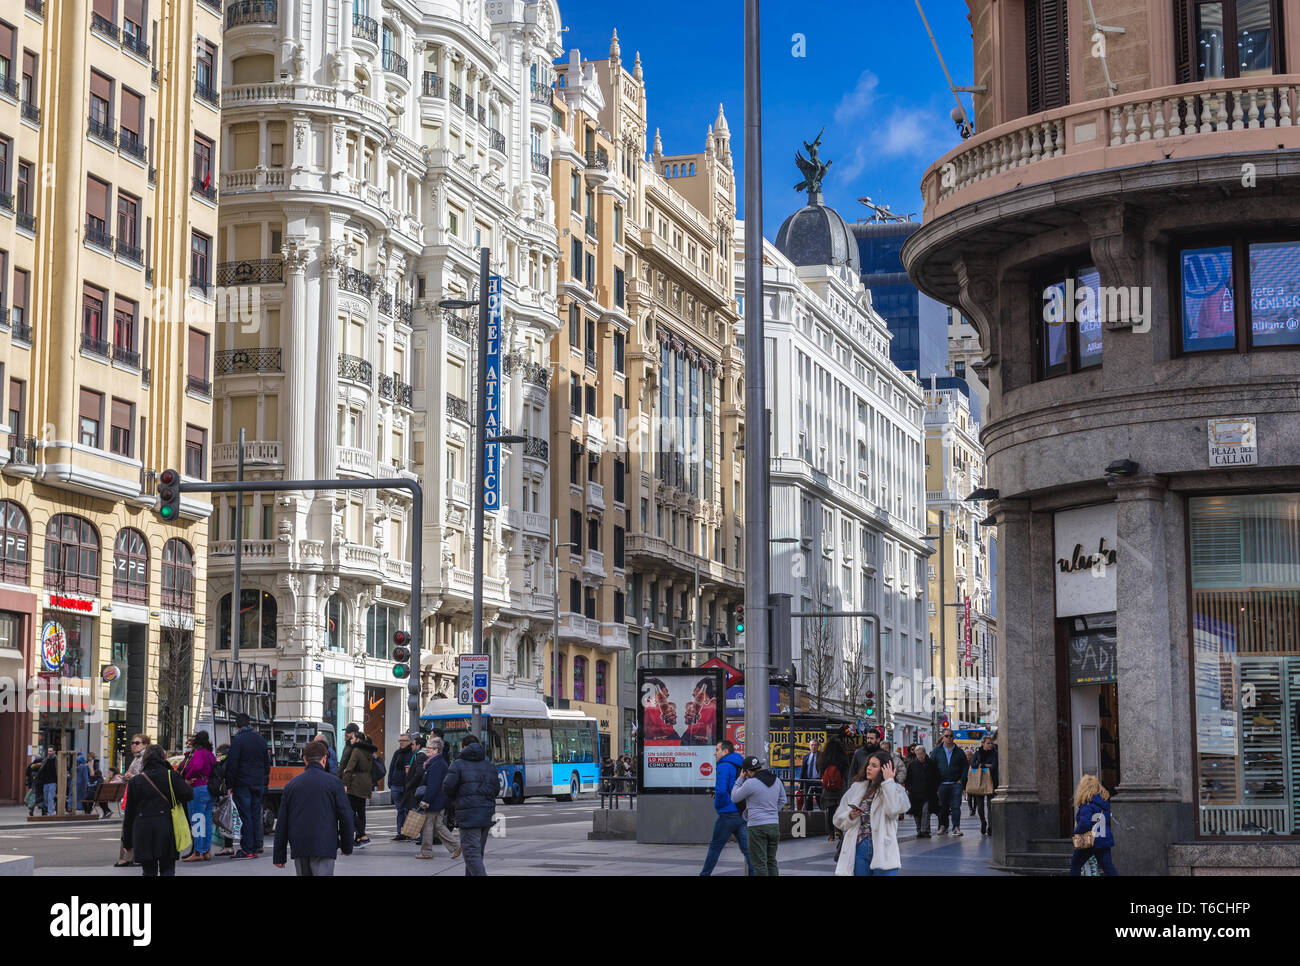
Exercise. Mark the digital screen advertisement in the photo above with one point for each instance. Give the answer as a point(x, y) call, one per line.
point(680, 719)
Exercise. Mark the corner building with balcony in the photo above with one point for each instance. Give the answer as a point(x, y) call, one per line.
point(370, 151)
point(106, 319)
point(648, 405)
point(1143, 444)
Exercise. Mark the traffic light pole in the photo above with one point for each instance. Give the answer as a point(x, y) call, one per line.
point(417, 531)
point(239, 558)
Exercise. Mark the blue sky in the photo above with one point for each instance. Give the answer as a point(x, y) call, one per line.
point(869, 75)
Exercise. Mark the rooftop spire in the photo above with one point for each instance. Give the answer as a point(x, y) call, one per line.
point(720, 123)
point(614, 50)
point(636, 67)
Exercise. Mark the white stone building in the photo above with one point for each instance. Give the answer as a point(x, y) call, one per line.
point(369, 150)
point(847, 477)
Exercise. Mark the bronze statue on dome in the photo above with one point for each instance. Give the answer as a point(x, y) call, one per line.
point(812, 168)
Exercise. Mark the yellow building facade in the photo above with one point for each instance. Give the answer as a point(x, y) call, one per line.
point(109, 122)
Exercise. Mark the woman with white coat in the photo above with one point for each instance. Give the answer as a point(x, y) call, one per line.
point(868, 814)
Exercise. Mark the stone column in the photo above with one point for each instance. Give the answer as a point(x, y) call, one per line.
point(328, 371)
point(1147, 812)
point(294, 336)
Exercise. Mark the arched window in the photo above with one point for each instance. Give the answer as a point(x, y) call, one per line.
point(602, 676)
point(336, 624)
point(131, 567)
point(178, 575)
point(579, 679)
point(524, 657)
point(257, 614)
point(15, 543)
point(72, 555)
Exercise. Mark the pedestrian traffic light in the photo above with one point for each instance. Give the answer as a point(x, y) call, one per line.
point(169, 495)
point(943, 722)
point(871, 704)
point(740, 618)
point(401, 654)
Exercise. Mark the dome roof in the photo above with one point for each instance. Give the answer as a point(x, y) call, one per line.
point(817, 235)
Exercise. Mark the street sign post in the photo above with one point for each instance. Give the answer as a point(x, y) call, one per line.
point(474, 680)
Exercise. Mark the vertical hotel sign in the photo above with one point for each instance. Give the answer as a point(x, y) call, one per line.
point(492, 391)
point(967, 630)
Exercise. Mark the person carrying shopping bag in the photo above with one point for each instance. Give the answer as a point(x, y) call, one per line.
point(1094, 835)
point(148, 822)
point(868, 815)
point(982, 780)
point(197, 771)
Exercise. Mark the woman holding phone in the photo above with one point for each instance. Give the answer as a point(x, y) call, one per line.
point(868, 815)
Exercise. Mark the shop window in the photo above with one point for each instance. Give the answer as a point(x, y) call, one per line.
point(1069, 312)
point(1245, 583)
point(1210, 315)
point(15, 543)
point(602, 676)
point(131, 567)
point(178, 575)
point(257, 618)
point(72, 555)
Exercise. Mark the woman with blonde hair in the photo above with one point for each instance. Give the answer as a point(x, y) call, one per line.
point(868, 815)
point(1093, 834)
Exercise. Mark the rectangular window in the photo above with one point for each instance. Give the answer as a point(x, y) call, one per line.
point(575, 531)
point(123, 419)
point(1047, 54)
point(1206, 298)
point(92, 313)
point(620, 363)
point(132, 122)
point(205, 66)
point(17, 406)
point(197, 355)
point(101, 102)
point(200, 261)
point(575, 325)
point(196, 441)
point(1070, 327)
point(575, 261)
point(125, 313)
point(18, 314)
point(97, 193)
point(25, 195)
point(1245, 555)
point(1274, 293)
point(128, 220)
point(1227, 38)
point(203, 150)
point(618, 547)
point(618, 287)
point(91, 413)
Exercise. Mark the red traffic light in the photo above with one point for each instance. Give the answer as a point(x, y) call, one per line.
point(401, 638)
point(943, 723)
point(168, 478)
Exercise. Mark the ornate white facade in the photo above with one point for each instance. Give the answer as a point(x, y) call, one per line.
point(370, 150)
point(848, 489)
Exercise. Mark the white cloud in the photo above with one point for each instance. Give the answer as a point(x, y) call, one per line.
point(858, 101)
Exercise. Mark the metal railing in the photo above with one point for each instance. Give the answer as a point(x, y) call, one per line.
point(9, 86)
point(132, 253)
point(251, 12)
point(541, 93)
point(405, 311)
point(616, 787)
point(93, 345)
point(538, 449)
point(99, 237)
point(366, 27)
point(135, 44)
point(26, 221)
point(457, 408)
point(356, 281)
point(102, 129)
point(20, 332)
point(103, 26)
point(385, 386)
point(205, 93)
point(37, 7)
point(254, 271)
point(356, 370)
point(497, 141)
point(432, 85)
point(591, 358)
point(129, 142)
point(395, 63)
point(31, 112)
point(541, 163)
point(385, 302)
point(597, 159)
point(204, 188)
point(589, 223)
point(405, 392)
point(456, 326)
point(6, 200)
point(198, 384)
point(230, 361)
point(22, 449)
point(126, 356)
point(456, 95)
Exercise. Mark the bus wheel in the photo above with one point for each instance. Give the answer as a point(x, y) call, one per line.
point(575, 786)
point(518, 787)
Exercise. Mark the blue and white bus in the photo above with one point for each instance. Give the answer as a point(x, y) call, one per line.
point(538, 751)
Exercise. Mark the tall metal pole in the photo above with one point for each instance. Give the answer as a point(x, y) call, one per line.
point(696, 641)
point(555, 615)
point(417, 623)
point(757, 551)
point(235, 609)
point(943, 619)
point(480, 445)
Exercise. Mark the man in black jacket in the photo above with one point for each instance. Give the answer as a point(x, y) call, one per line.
point(248, 772)
point(472, 786)
point(397, 767)
point(315, 817)
point(950, 761)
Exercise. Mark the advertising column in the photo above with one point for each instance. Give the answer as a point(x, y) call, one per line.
point(679, 723)
point(64, 669)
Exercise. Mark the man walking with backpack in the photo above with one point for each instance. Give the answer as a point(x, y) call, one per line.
point(315, 818)
point(248, 773)
point(729, 821)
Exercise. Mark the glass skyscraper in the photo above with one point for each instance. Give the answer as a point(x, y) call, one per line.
point(917, 322)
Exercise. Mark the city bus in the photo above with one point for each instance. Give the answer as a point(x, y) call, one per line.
point(538, 751)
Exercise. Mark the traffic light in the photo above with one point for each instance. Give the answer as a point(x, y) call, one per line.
point(401, 654)
point(740, 618)
point(943, 722)
point(871, 704)
point(169, 495)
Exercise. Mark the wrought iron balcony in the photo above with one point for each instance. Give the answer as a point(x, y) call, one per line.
point(538, 449)
point(356, 370)
point(202, 285)
point(357, 281)
point(590, 226)
point(212, 4)
point(31, 112)
point(385, 386)
point(126, 356)
point(456, 326)
point(405, 311)
point(6, 200)
point(231, 361)
point(385, 302)
point(395, 63)
point(541, 163)
point(456, 95)
point(37, 7)
point(22, 450)
point(204, 188)
point(255, 271)
point(102, 129)
point(591, 358)
point(99, 237)
point(21, 332)
point(541, 93)
point(251, 12)
point(199, 385)
point(457, 408)
point(433, 85)
point(129, 143)
point(135, 44)
point(534, 373)
point(365, 27)
point(598, 159)
point(8, 86)
point(482, 114)
point(146, 377)
point(129, 252)
point(93, 345)
point(497, 142)
point(205, 93)
point(26, 221)
point(104, 27)
point(404, 392)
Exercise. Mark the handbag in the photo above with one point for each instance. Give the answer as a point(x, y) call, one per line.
point(1083, 840)
point(414, 823)
point(221, 816)
point(180, 821)
point(979, 782)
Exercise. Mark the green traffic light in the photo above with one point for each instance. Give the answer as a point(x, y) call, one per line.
point(166, 512)
point(400, 671)
point(871, 712)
